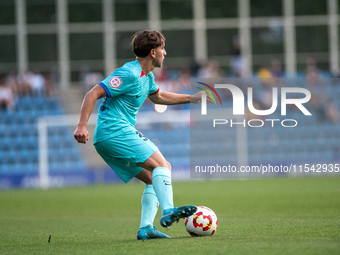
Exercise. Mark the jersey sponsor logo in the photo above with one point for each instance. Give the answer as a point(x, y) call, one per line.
point(115, 82)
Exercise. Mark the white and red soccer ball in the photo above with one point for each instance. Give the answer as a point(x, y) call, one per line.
point(202, 223)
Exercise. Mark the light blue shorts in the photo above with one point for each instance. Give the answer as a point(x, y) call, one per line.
point(123, 152)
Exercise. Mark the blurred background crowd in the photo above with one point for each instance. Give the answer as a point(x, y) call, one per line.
point(33, 83)
point(13, 86)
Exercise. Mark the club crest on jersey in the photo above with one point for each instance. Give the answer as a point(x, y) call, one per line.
point(115, 82)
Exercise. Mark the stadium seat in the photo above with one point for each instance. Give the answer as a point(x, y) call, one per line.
point(19, 151)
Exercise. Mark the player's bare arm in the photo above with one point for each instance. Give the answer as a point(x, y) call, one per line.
point(81, 134)
point(168, 98)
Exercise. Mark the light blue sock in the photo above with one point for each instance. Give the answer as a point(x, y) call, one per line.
point(161, 180)
point(149, 206)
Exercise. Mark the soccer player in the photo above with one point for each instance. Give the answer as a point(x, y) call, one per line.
point(123, 148)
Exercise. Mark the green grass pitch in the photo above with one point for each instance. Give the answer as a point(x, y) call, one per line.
point(256, 216)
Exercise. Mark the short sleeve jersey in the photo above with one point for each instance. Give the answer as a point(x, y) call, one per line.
point(126, 88)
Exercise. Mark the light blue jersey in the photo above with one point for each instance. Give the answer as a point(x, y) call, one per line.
point(127, 88)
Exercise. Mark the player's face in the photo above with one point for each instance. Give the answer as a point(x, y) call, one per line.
point(159, 56)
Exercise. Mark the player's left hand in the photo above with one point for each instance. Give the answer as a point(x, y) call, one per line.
point(197, 98)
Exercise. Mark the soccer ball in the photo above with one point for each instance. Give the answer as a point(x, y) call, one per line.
point(202, 223)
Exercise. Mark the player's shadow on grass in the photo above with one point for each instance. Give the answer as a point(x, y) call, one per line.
point(162, 239)
point(128, 241)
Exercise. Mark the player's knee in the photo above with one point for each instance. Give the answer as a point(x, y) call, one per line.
point(167, 165)
point(164, 164)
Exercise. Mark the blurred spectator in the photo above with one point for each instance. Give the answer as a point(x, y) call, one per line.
point(210, 69)
point(320, 101)
point(37, 82)
point(11, 82)
point(30, 83)
point(23, 80)
point(265, 74)
point(331, 111)
point(277, 73)
point(314, 84)
point(270, 77)
point(48, 85)
point(237, 63)
point(6, 96)
point(264, 99)
point(194, 68)
point(168, 80)
point(276, 68)
point(161, 74)
point(176, 81)
point(312, 72)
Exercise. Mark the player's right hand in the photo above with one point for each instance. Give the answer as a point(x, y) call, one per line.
point(81, 135)
point(197, 98)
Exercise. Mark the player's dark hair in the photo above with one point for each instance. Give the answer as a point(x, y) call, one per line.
point(144, 41)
